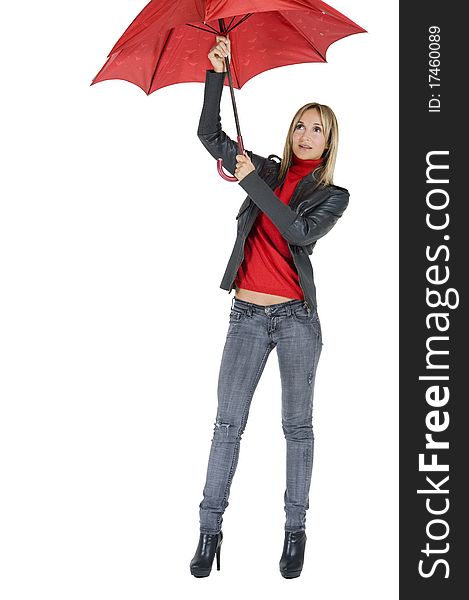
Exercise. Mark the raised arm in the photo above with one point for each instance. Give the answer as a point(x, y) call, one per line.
point(210, 132)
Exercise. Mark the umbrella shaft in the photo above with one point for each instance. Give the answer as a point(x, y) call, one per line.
point(233, 97)
point(227, 63)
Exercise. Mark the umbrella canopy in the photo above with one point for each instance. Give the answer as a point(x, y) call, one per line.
point(168, 41)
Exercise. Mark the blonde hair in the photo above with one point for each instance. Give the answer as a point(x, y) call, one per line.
point(325, 172)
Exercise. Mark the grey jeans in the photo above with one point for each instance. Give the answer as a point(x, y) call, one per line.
point(253, 331)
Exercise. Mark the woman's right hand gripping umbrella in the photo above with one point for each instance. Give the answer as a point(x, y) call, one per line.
point(219, 52)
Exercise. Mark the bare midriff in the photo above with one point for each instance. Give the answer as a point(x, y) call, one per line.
point(259, 297)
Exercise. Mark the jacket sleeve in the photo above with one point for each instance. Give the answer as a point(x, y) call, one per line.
point(296, 229)
point(210, 133)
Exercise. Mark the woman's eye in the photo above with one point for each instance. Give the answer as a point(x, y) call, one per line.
point(317, 130)
point(299, 125)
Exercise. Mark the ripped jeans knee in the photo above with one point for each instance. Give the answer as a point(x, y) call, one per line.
point(224, 431)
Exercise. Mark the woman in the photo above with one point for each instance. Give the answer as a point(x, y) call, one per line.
point(291, 204)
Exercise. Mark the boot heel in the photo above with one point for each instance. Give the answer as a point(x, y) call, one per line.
point(209, 546)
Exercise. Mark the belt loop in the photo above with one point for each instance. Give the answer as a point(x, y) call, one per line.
point(232, 301)
point(249, 310)
point(289, 309)
point(305, 304)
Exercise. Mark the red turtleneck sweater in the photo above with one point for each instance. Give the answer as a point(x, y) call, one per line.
point(268, 265)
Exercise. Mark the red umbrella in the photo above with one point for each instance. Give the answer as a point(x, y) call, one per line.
point(168, 42)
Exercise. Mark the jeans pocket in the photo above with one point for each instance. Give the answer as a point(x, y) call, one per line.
point(236, 315)
point(301, 315)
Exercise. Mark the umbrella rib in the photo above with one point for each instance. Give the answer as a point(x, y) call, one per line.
point(211, 30)
point(239, 22)
point(159, 58)
point(303, 35)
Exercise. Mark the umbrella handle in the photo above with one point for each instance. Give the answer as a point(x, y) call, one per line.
point(221, 172)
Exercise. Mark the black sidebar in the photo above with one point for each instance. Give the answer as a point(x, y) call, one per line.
point(434, 268)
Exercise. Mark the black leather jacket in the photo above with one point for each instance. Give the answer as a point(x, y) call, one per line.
point(312, 211)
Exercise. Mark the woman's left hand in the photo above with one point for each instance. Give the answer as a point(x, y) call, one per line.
point(244, 166)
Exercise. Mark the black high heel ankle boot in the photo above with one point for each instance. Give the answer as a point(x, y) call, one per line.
point(291, 563)
point(209, 545)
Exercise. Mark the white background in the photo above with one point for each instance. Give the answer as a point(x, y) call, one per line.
point(113, 323)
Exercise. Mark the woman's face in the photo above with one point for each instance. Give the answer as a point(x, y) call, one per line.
point(308, 136)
